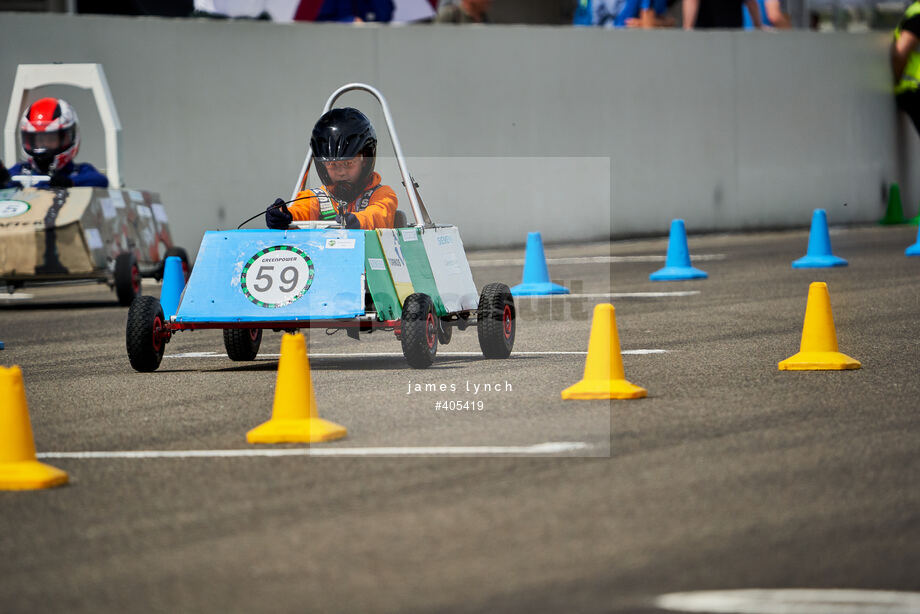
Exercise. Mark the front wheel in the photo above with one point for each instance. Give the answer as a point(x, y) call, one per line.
point(146, 335)
point(495, 321)
point(445, 331)
point(242, 343)
point(419, 334)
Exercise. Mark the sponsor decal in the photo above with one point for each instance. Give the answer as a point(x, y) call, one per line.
point(12, 208)
point(340, 243)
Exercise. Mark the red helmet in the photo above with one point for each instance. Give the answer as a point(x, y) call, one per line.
point(50, 138)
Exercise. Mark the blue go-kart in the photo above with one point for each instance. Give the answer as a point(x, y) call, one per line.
point(413, 280)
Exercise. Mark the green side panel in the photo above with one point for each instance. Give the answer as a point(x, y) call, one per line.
point(378, 278)
point(419, 269)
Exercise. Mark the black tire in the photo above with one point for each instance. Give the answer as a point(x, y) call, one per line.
point(144, 339)
point(182, 255)
point(419, 335)
point(495, 321)
point(127, 278)
point(242, 343)
point(445, 331)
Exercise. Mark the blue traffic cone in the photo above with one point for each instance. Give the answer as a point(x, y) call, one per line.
point(819, 254)
point(677, 263)
point(536, 275)
point(173, 285)
point(914, 250)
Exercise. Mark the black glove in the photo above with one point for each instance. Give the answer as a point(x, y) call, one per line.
point(352, 222)
point(4, 174)
point(277, 215)
point(60, 180)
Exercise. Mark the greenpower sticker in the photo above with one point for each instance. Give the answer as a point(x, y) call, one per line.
point(277, 276)
point(12, 208)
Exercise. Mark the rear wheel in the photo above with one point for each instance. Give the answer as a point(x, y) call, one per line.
point(127, 278)
point(146, 335)
point(445, 331)
point(242, 343)
point(419, 331)
point(496, 321)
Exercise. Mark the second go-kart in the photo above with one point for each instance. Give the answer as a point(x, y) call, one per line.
point(115, 236)
point(413, 280)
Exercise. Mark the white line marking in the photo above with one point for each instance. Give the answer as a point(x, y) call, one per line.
point(593, 259)
point(612, 295)
point(400, 355)
point(19, 296)
point(551, 447)
point(792, 601)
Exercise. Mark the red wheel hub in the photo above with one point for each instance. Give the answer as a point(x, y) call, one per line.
point(135, 278)
point(431, 330)
point(253, 333)
point(507, 321)
point(157, 333)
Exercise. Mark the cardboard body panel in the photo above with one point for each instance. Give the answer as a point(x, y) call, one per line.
point(396, 263)
point(276, 275)
point(450, 268)
point(379, 282)
point(78, 232)
point(419, 270)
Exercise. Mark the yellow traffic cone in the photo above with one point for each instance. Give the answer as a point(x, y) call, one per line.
point(604, 377)
point(818, 351)
point(19, 470)
point(294, 416)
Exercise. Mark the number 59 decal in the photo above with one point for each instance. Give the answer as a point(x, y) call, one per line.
point(277, 276)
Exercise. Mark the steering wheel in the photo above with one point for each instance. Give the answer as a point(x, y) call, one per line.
point(28, 181)
point(313, 224)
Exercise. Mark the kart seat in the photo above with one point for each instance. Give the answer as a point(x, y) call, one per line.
point(399, 219)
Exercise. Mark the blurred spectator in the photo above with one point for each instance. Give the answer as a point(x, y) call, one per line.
point(465, 11)
point(245, 9)
point(905, 63)
point(162, 8)
point(772, 14)
point(722, 14)
point(348, 11)
point(623, 13)
point(356, 11)
point(409, 11)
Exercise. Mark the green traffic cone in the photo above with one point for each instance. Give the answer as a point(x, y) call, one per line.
point(894, 214)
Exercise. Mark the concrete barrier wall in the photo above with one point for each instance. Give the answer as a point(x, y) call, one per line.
point(582, 134)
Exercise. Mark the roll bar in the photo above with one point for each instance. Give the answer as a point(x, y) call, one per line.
point(415, 199)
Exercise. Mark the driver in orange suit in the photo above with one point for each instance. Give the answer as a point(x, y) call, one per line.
point(344, 148)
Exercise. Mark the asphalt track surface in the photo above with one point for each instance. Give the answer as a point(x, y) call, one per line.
point(731, 474)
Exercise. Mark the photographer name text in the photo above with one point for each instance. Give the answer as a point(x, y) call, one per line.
point(467, 386)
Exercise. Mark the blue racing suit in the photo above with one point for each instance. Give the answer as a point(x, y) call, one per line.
point(76, 175)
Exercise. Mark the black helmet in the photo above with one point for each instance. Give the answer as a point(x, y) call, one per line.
point(343, 134)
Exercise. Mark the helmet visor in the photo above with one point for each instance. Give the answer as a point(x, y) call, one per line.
point(343, 169)
point(341, 164)
point(47, 142)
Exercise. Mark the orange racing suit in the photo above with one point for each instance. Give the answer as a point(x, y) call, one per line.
point(374, 208)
